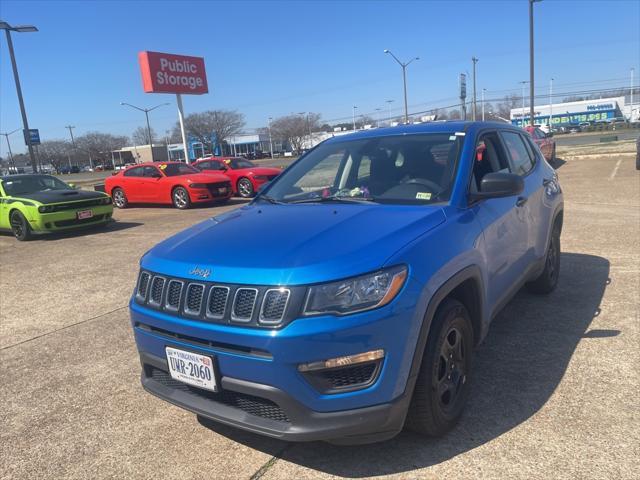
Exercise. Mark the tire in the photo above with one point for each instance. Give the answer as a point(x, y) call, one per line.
point(180, 198)
point(548, 279)
point(20, 227)
point(443, 383)
point(119, 198)
point(245, 188)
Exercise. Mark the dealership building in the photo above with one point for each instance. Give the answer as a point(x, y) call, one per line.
point(572, 113)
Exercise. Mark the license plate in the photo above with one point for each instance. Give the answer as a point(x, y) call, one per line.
point(85, 214)
point(191, 368)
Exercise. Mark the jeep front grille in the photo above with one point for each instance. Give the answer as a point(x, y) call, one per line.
point(261, 306)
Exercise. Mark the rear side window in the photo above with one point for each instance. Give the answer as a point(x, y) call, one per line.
point(519, 156)
point(134, 172)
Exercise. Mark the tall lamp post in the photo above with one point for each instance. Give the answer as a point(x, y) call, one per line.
point(6, 136)
point(270, 138)
point(354, 117)
point(389, 102)
point(404, 66)
point(550, 105)
point(531, 86)
point(483, 90)
point(21, 29)
point(146, 113)
point(523, 83)
point(475, 109)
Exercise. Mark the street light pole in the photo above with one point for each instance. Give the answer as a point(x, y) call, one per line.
point(378, 110)
point(389, 102)
point(473, 114)
point(354, 118)
point(531, 80)
point(146, 113)
point(483, 90)
point(270, 139)
point(631, 97)
point(27, 137)
point(550, 105)
point(404, 66)
point(523, 83)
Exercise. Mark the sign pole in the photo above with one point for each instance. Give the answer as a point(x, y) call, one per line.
point(181, 119)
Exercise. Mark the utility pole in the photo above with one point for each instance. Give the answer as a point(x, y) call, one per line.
point(146, 113)
point(11, 162)
point(473, 114)
point(378, 117)
point(27, 136)
point(631, 97)
point(354, 118)
point(531, 85)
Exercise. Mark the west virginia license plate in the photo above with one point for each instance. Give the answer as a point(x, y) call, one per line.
point(191, 368)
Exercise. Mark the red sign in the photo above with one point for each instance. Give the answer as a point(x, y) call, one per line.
point(167, 73)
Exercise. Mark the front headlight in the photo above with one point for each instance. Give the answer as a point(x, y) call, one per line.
point(356, 294)
point(46, 208)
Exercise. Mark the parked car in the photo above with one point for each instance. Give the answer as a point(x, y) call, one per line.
point(166, 183)
point(545, 142)
point(574, 128)
point(35, 203)
point(246, 177)
point(345, 301)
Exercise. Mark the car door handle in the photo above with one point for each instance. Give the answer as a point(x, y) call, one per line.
point(521, 201)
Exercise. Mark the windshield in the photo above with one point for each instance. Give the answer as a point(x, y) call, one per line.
point(393, 169)
point(16, 186)
point(239, 163)
point(175, 169)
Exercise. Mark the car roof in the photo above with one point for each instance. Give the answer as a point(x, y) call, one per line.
point(427, 127)
point(23, 175)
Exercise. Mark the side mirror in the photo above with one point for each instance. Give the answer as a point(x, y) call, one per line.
point(156, 175)
point(499, 184)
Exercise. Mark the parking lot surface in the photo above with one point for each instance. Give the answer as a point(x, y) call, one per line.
point(555, 393)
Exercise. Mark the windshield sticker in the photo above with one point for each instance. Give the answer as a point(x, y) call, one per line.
point(423, 196)
point(227, 161)
point(163, 166)
point(452, 137)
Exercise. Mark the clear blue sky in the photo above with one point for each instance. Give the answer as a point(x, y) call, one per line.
point(273, 58)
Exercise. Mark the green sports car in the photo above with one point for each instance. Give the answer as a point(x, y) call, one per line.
point(41, 203)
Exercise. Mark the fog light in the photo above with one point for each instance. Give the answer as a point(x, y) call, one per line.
point(342, 361)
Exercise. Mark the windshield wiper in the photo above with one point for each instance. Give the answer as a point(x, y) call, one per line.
point(270, 199)
point(333, 198)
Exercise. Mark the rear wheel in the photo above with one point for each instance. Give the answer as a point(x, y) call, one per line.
point(19, 226)
point(119, 198)
point(245, 188)
point(442, 386)
point(180, 198)
point(548, 279)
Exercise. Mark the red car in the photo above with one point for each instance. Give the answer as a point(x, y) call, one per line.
point(246, 177)
point(167, 183)
point(546, 143)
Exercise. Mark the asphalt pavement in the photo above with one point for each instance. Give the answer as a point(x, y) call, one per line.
point(555, 393)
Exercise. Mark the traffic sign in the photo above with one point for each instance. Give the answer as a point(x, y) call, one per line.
point(34, 136)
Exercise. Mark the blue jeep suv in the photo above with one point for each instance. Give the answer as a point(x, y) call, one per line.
point(345, 301)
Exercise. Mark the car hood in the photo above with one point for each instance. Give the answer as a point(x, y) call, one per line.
point(292, 244)
point(61, 196)
point(258, 171)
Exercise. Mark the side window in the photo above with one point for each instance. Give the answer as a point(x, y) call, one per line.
point(364, 169)
point(134, 172)
point(151, 172)
point(215, 165)
point(324, 173)
point(521, 161)
point(203, 166)
point(488, 158)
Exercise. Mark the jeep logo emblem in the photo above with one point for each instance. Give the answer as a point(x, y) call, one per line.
point(200, 272)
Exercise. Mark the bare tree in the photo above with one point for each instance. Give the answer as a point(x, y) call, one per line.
point(295, 129)
point(140, 136)
point(222, 123)
point(100, 145)
point(55, 152)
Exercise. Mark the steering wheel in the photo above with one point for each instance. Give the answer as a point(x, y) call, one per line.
point(432, 186)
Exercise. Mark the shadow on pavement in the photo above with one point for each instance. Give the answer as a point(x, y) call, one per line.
point(196, 206)
point(516, 370)
point(557, 163)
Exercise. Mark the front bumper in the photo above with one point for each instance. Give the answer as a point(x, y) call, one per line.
point(263, 363)
point(68, 219)
point(267, 410)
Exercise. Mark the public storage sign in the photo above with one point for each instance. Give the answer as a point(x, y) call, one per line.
point(168, 73)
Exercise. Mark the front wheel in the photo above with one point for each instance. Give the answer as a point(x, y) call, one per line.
point(181, 198)
point(119, 198)
point(245, 188)
point(442, 386)
point(20, 227)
